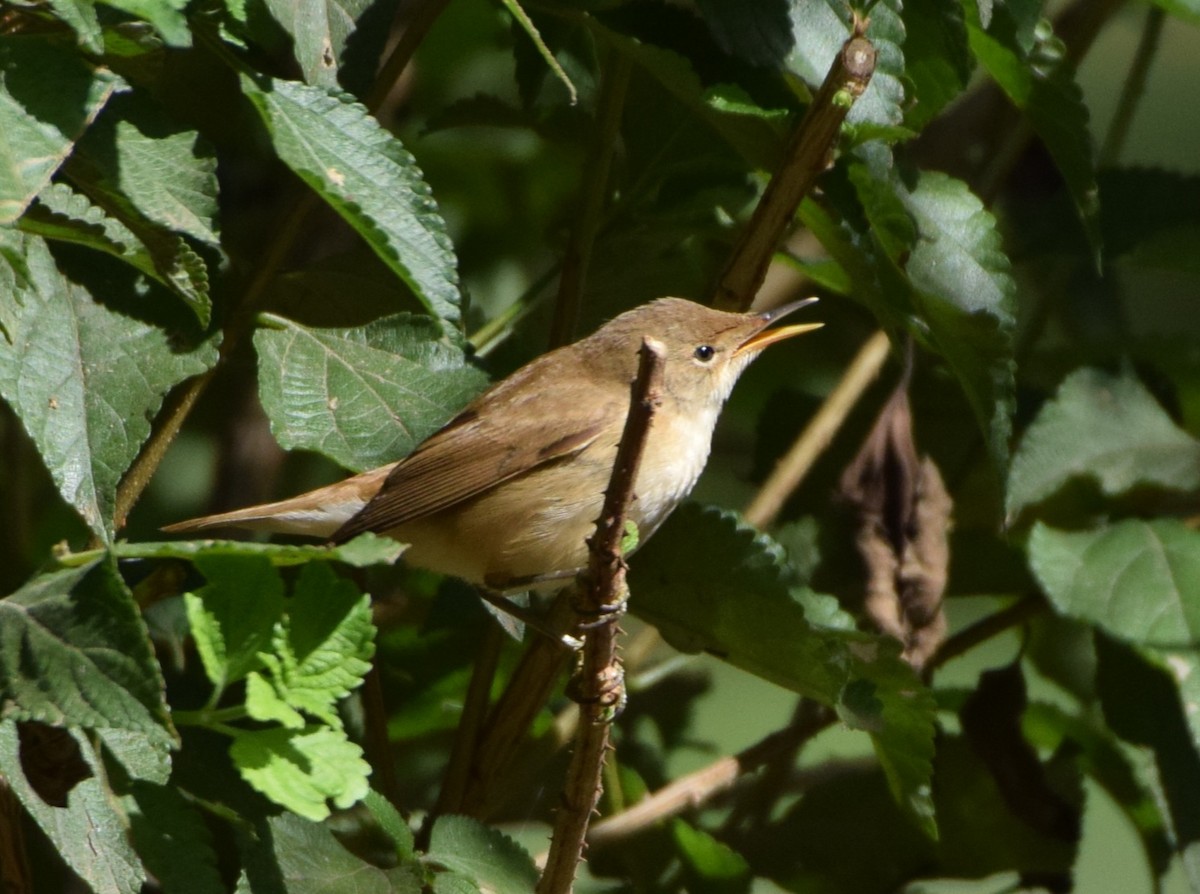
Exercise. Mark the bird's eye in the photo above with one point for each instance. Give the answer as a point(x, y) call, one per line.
point(704, 353)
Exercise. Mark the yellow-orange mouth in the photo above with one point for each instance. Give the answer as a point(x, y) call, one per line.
point(765, 336)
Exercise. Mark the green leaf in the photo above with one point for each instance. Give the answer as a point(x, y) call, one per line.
point(369, 178)
point(302, 769)
point(48, 97)
point(715, 868)
point(481, 853)
point(530, 29)
point(319, 30)
point(142, 166)
point(363, 551)
point(322, 650)
point(75, 652)
point(233, 615)
point(391, 822)
point(708, 581)
point(937, 55)
point(1105, 427)
point(172, 839)
point(167, 17)
point(1188, 10)
point(84, 380)
point(363, 397)
point(1138, 580)
point(1041, 82)
point(63, 214)
point(81, 16)
point(142, 757)
point(311, 860)
point(90, 833)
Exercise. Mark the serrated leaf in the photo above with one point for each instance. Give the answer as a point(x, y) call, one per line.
point(1040, 81)
point(482, 853)
point(365, 396)
point(311, 860)
point(363, 551)
point(710, 582)
point(369, 178)
point(391, 822)
point(819, 29)
point(145, 758)
point(1138, 580)
point(322, 649)
point(264, 703)
point(319, 30)
point(84, 380)
point(48, 97)
point(715, 866)
point(1105, 427)
point(63, 214)
point(172, 840)
point(138, 163)
point(233, 615)
point(75, 652)
point(90, 833)
point(302, 769)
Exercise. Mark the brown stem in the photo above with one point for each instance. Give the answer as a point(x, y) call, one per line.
point(795, 464)
point(808, 154)
point(984, 629)
point(601, 690)
point(417, 18)
point(378, 746)
point(701, 786)
point(1135, 86)
point(613, 85)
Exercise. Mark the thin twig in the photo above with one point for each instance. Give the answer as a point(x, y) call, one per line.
point(1135, 86)
point(375, 737)
point(698, 788)
point(792, 468)
point(421, 14)
point(600, 688)
point(984, 629)
point(808, 154)
point(614, 82)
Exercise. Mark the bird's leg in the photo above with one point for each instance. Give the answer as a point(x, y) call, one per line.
point(509, 610)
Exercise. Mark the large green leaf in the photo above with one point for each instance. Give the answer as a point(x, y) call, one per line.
point(85, 380)
point(74, 651)
point(90, 833)
point(481, 853)
point(48, 97)
point(1040, 81)
point(368, 177)
point(1106, 427)
point(365, 396)
point(319, 30)
point(710, 582)
point(1138, 580)
point(61, 213)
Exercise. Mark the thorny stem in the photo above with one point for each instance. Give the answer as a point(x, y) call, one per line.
point(808, 154)
point(601, 690)
point(795, 464)
point(1135, 85)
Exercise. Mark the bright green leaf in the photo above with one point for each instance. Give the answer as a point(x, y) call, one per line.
point(481, 853)
point(1105, 427)
point(84, 380)
point(264, 703)
point(48, 97)
point(302, 769)
point(91, 834)
point(363, 397)
point(75, 652)
point(233, 615)
point(369, 178)
point(1138, 580)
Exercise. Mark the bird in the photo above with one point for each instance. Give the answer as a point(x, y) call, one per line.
point(505, 495)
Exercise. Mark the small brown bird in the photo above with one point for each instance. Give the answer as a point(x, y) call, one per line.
point(506, 493)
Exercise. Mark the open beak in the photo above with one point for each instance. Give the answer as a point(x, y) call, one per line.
point(765, 336)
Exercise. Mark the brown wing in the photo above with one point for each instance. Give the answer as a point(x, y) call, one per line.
point(479, 449)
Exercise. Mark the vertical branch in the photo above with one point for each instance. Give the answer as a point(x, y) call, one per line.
point(808, 154)
point(600, 687)
point(1135, 85)
point(613, 83)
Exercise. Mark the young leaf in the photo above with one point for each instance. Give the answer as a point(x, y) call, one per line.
point(61, 213)
point(172, 839)
point(143, 166)
point(302, 769)
point(84, 380)
point(233, 615)
point(1138, 580)
point(363, 397)
point(48, 97)
point(481, 853)
point(369, 178)
point(1105, 427)
point(75, 652)
point(710, 582)
point(322, 650)
point(90, 833)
